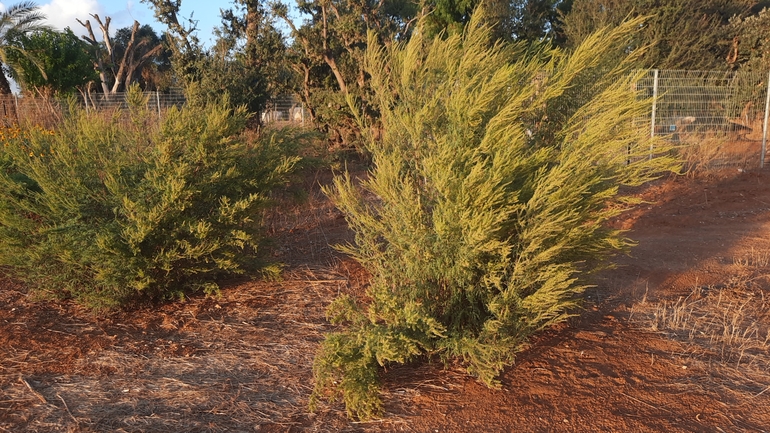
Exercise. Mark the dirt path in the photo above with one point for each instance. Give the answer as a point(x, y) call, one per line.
point(243, 362)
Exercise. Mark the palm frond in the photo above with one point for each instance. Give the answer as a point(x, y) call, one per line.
point(20, 19)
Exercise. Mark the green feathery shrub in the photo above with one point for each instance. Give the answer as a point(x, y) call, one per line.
point(487, 203)
point(112, 209)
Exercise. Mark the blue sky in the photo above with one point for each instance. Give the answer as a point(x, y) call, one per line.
point(63, 13)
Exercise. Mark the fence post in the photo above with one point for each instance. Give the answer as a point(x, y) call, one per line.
point(654, 107)
point(764, 125)
point(157, 99)
point(16, 106)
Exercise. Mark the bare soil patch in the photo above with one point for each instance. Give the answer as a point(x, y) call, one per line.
point(242, 362)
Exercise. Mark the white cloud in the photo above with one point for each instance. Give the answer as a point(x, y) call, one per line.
point(64, 13)
point(124, 12)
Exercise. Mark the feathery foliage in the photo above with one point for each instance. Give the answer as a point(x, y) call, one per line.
point(486, 207)
point(107, 210)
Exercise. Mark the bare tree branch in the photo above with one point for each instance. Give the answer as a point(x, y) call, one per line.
point(98, 64)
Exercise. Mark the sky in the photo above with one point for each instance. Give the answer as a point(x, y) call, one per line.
point(63, 13)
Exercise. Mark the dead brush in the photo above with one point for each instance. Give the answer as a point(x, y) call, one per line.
point(727, 323)
point(754, 260)
point(723, 323)
point(700, 151)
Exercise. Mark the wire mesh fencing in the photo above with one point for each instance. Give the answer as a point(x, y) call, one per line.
point(285, 110)
point(42, 111)
point(155, 101)
point(282, 110)
point(716, 118)
point(48, 111)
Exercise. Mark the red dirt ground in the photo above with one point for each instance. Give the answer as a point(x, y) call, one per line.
point(242, 362)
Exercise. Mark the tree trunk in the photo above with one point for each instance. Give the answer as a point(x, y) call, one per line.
point(306, 93)
point(91, 39)
point(332, 62)
point(122, 72)
point(327, 56)
point(253, 20)
point(5, 85)
point(135, 66)
point(105, 26)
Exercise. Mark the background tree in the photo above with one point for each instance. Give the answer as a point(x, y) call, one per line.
point(62, 62)
point(188, 56)
point(248, 42)
point(678, 34)
point(327, 53)
point(246, 60)
point(18, 19)
point(327, 49)
point(118, 71)
point(98, 48)
point(183, 30)
point(533, 20)
point(451, 15)
point(750, 56)
point(529, 20)
point(751, 43)
point(148, 59)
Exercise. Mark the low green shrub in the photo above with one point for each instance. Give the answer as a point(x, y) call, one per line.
point(109, 209)
point(487, 203)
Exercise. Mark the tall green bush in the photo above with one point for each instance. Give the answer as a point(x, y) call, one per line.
point(107, 209)
point(487, 203)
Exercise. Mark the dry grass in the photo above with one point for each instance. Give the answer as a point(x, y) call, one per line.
point(241, 362)
point(723, 329)
point(306, 226)
point(722, 322)
point(699, 151)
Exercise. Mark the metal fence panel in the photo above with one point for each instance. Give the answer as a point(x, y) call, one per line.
point(716, 117)
point(285, 110)
point(280, 111)
point(48, 111)
point(155, 101)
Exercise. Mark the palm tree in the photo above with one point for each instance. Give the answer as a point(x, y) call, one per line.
point(17, 20)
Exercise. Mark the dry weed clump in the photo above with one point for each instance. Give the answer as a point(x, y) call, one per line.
point(726, 323)
point(700, 151)
point(724, 327)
